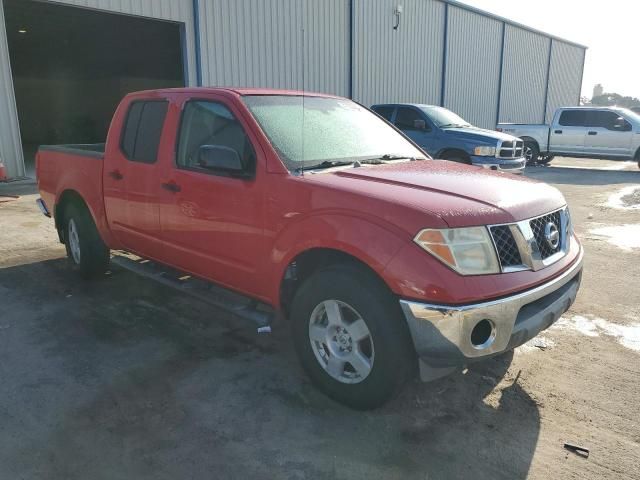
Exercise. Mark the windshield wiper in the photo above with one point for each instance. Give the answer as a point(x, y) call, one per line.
point(385, 158)
point(326, 164)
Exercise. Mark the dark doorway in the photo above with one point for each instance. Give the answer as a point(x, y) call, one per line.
point(71, 66)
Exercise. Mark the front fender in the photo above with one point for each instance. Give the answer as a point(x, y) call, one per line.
point(371, 242)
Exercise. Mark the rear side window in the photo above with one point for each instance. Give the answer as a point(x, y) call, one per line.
point(572, 118)
point(142, 130)
point(406, 117)
point(384, 112)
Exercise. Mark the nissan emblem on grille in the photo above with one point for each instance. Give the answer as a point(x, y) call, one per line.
point(552, 235)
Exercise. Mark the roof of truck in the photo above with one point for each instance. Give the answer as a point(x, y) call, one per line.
point(242, 91)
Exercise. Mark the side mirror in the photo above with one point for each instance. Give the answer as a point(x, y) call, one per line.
point(420, 125)
point(621, 124)
point(220, 158)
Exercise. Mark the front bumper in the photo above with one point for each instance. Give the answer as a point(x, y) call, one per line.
point(447, 337)
point(511, 165)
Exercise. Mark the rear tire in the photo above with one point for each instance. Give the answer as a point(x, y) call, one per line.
point(344, 314)
point(86, 251)
point(531, 152)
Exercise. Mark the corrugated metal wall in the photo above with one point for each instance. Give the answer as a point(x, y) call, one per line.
point(403, 65)
point(10, 145)
point(565, 75)
point(472, 79)
point(174, 10)
point(261, 44)
point(524, 76)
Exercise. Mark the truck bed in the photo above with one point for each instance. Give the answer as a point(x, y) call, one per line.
point(95, 150)
point(72, 169)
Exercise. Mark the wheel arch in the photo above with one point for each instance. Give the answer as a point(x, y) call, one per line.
point(312, 260)
point(530, 139)
point(66, 198)
point(453, 150)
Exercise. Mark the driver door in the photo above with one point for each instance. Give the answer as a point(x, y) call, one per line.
point(211, 221)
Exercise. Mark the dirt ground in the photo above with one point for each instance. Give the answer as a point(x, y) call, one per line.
point(124, 379)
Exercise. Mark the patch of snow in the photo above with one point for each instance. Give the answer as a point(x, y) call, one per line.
point(536, 344)
point(626, 237)
point(615, 200)
point(627, 335)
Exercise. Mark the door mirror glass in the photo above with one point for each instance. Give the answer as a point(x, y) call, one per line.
point(420, 124)
point(220, 158)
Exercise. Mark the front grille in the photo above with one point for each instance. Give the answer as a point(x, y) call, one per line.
point(506, 246)
point(538, 226)
point(511, 149)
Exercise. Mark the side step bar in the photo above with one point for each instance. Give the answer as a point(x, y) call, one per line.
point(239, 305)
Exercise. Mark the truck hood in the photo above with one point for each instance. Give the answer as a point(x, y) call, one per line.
point(460, 195)
point(478, 134)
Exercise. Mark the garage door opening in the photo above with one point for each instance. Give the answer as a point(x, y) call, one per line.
point(71, 66)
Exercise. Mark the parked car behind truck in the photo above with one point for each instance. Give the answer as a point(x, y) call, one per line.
point(591, 132)
point(381, 258)
point(445, 135)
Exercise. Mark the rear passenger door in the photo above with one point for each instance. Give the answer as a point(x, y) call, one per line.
point(130, 180)
point(568, 135)
point(607, 134)
point(415, 125)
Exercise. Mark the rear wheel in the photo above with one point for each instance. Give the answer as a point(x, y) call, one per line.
point(85, 249)
point(350, 337)
point(638, 157)
point(531, 152)
point(545, 159)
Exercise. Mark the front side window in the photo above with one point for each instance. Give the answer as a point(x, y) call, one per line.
point(406, 118)
point(603, 119)
point(206, 123)
point(308, 131)
point(143, 129)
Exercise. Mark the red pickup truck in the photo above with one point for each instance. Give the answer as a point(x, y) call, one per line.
point(382, 258)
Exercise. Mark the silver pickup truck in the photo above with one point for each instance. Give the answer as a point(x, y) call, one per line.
point(593, 132)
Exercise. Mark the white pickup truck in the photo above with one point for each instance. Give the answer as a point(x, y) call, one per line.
point(592, 132)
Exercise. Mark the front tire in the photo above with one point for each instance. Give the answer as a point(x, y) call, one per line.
point(86, 251)
point(457, 157)
point(351, 338)
point(531, 152)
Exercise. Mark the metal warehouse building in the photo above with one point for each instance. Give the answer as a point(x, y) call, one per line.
point(64, 65)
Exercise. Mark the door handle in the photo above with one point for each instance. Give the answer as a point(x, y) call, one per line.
point(593, 133)
point(559, 132)
point(173, 187)
point(116, 175)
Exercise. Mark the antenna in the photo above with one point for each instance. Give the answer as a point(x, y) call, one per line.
point(304, 19)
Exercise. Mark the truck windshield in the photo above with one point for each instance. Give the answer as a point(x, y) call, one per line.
point(444, 118)
point(631, 115)
point(323, 132)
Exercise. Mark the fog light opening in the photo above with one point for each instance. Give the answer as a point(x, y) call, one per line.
point(483, 334)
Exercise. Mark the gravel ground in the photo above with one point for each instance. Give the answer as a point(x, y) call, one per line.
point(123, 378)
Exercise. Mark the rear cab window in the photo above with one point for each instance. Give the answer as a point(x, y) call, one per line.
point(143, 130)
point(384, 111)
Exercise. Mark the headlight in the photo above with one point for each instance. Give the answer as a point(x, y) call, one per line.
point(485, 151)
point(468, 251)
